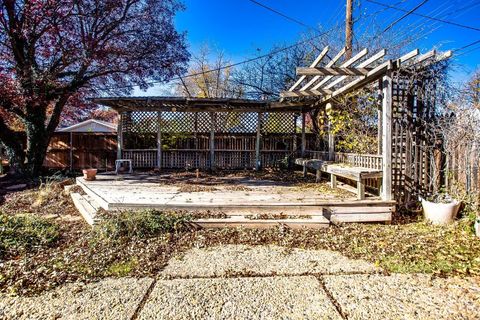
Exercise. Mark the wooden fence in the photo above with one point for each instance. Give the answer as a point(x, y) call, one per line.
point(462, 172)
point(77, 151)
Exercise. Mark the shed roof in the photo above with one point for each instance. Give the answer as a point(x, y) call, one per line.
point(90, 125)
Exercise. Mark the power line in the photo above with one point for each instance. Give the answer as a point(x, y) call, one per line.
point(283, 15)
point(429, 17)
point(271, 53)
point(405, 15)
point(467, 46)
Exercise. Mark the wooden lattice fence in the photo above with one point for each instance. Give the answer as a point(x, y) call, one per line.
point(193, 139)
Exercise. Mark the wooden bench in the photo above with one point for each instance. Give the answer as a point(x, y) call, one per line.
point(314, 164)
point(357, 174)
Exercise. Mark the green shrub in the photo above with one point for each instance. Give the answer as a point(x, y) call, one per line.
point(22, 233)
point(138, 224)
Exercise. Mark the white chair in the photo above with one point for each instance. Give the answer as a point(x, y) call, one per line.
point(118, 164)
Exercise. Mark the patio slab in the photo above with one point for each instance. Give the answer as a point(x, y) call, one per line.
point(106, 299)
point(231, 260)
point(405, 297)
point(239, 298)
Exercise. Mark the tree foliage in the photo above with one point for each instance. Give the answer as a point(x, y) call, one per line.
point(52, 53)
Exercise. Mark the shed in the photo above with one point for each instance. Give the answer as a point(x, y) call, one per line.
point(91, 125)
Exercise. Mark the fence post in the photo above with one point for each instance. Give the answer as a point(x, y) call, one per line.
point(159, 140)
point(119, 135)
point(212, 140)
point(258, 161)
point(304, 142)
point(71, 151)
point(387, 137)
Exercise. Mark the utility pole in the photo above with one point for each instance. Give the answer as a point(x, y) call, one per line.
point(349, 29)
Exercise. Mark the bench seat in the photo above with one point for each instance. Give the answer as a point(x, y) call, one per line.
point(358, 174)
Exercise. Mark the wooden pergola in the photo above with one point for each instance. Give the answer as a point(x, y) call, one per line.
point(403, 110)
point(211, 133)
point(239, 133)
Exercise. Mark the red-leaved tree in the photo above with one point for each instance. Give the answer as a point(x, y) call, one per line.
point(54, 52)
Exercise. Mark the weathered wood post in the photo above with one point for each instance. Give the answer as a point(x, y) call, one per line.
point(159, 140)
point(331, 136)
point(71, 151)
point(258, 160)
point(212, 140)
point(119, 135)
point(304, 142)
point(387, 137)
point(379, 123)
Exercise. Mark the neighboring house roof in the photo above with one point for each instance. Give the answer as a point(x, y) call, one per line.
point(90, 125)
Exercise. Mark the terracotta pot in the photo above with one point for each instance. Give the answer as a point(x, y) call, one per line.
point(89, 174)
point(440, 213)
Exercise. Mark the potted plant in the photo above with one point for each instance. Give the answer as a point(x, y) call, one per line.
point(440, 208)
point(476, 226)
point(89, 174)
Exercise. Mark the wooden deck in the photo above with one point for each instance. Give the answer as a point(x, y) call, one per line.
point(241, 201)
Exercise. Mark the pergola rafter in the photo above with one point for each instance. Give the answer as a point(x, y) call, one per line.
point(330, 81)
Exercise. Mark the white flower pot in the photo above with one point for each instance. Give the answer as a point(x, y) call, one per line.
point(477, 227)
point(440, 213)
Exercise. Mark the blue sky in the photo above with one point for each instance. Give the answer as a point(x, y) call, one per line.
point(240, 28)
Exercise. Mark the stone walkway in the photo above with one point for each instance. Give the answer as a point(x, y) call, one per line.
point(263, 282)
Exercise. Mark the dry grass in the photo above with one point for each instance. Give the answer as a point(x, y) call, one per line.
point(144, 243)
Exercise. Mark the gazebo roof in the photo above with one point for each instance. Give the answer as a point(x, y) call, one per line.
point(183, 104)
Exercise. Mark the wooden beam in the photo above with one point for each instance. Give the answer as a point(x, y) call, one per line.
point(119, 135)
point(362, 65)
point(371, 76)
point(308, 93)
point(258, 160)
point(347, 63)
point(212, 140)
point(332, 71)
point(406, 57)
point(315, 63)
point(159, 139)
point(330, 64)
point(387, 137)
point(304, 141)
point(71, 152)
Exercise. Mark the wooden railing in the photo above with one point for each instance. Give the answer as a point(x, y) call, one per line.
point(192, 158)
point(372, 161)
point(141, 158)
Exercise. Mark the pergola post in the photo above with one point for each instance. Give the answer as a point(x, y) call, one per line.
point(119, 135)
point(258, 161)
point(387, 137)
point(379, 123)
point(159, 140)
point(212, 140)
point(331, 136)
point(304, 141)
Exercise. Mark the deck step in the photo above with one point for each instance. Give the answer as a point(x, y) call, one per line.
point(240, 221)
point(359, 214)
point(87, 207)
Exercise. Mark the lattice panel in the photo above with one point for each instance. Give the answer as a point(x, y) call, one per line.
point(140, 122)
point(203, 122)
point(236, 122)
point(177, 122)
point(412, 140)
point(278, 122)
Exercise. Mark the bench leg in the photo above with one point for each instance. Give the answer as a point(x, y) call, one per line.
point(333, 181)
point(361, 190)
point(304, 171)
point(318, 177)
